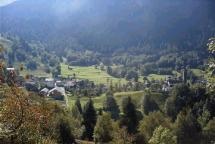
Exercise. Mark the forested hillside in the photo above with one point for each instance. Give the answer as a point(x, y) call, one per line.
point(106, 26)
point(29, 56)
point(137, 35)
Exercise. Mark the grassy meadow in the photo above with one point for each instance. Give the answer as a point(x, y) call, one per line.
point(90, 73)
point(38, 73)
point(99, 100)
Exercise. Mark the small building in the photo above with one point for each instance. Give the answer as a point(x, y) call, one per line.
point(166, 88)
point(59, 84)
point(10, 69)
point(70, 84)
point(57, 93)
point(44, 92)
point(50, 83)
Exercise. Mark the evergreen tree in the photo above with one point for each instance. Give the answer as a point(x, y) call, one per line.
point(209, 131)
point(75, 112)
point(170, 108)
point(211, 49)
point(181, 97)
point(78, 104)
point(64, 132)
point(163, 135)
point(103, 129)
point(76, 122)
point(121, 136)
point(187, 128)
point(89, 120)
point(111, 106)
point(109, 70)
point(130, 118)
point(151, 122)
point(148, 104)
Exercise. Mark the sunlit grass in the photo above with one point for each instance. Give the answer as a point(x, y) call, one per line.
point(99, 100)
point(91, 73)
point(198, 72)
point(156, 77)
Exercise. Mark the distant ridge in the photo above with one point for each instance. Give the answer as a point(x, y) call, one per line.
point(90, 24)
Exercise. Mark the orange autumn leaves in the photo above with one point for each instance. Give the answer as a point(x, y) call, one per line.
point(23, 117)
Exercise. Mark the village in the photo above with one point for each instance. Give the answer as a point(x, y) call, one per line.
point(59, 88)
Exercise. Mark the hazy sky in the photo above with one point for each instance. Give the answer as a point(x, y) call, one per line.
point(5, 2)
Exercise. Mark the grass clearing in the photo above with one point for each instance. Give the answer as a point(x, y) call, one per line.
point(38, 73)
point(99, 100)
point(90, 73)
point(198, 72)
point(156, 77)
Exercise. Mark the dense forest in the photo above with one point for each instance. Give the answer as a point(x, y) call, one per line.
point(107, 71)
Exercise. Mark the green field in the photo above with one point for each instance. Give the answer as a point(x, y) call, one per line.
point(90, 73)
point(153, 77)
point(98, 101)
point(156, 77)
point(198, 72)
point(38, 73)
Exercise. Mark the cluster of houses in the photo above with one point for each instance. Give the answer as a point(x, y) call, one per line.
point(47, 87)
point(171, 81)
point(50, 87)
point(56, 88)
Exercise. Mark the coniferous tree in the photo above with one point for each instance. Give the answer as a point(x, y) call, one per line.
point(109, 70)
point(76, 122)
point(209, 131)
point(89, 120)
point(130, 118)
point(151, 122)
point(148, 104)
point(111, 106)
point(75, 112)
point(188, 130)
point(181, 97)
point(103, 129)
point(211, 49)
point(78, 104)
point(64, 132)
point(162, 135)
point(121, 136)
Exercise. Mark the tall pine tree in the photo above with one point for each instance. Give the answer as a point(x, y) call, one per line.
point(104, 129)
point(78, 104)
point(89, 120)
point(130, 118)
point(188, 130)
point(111, 106)
point(148, 104)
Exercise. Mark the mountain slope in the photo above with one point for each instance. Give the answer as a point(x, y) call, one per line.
point(30, 56)
point(107, 25)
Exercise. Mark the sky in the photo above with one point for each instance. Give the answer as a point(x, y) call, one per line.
point(6, 2)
